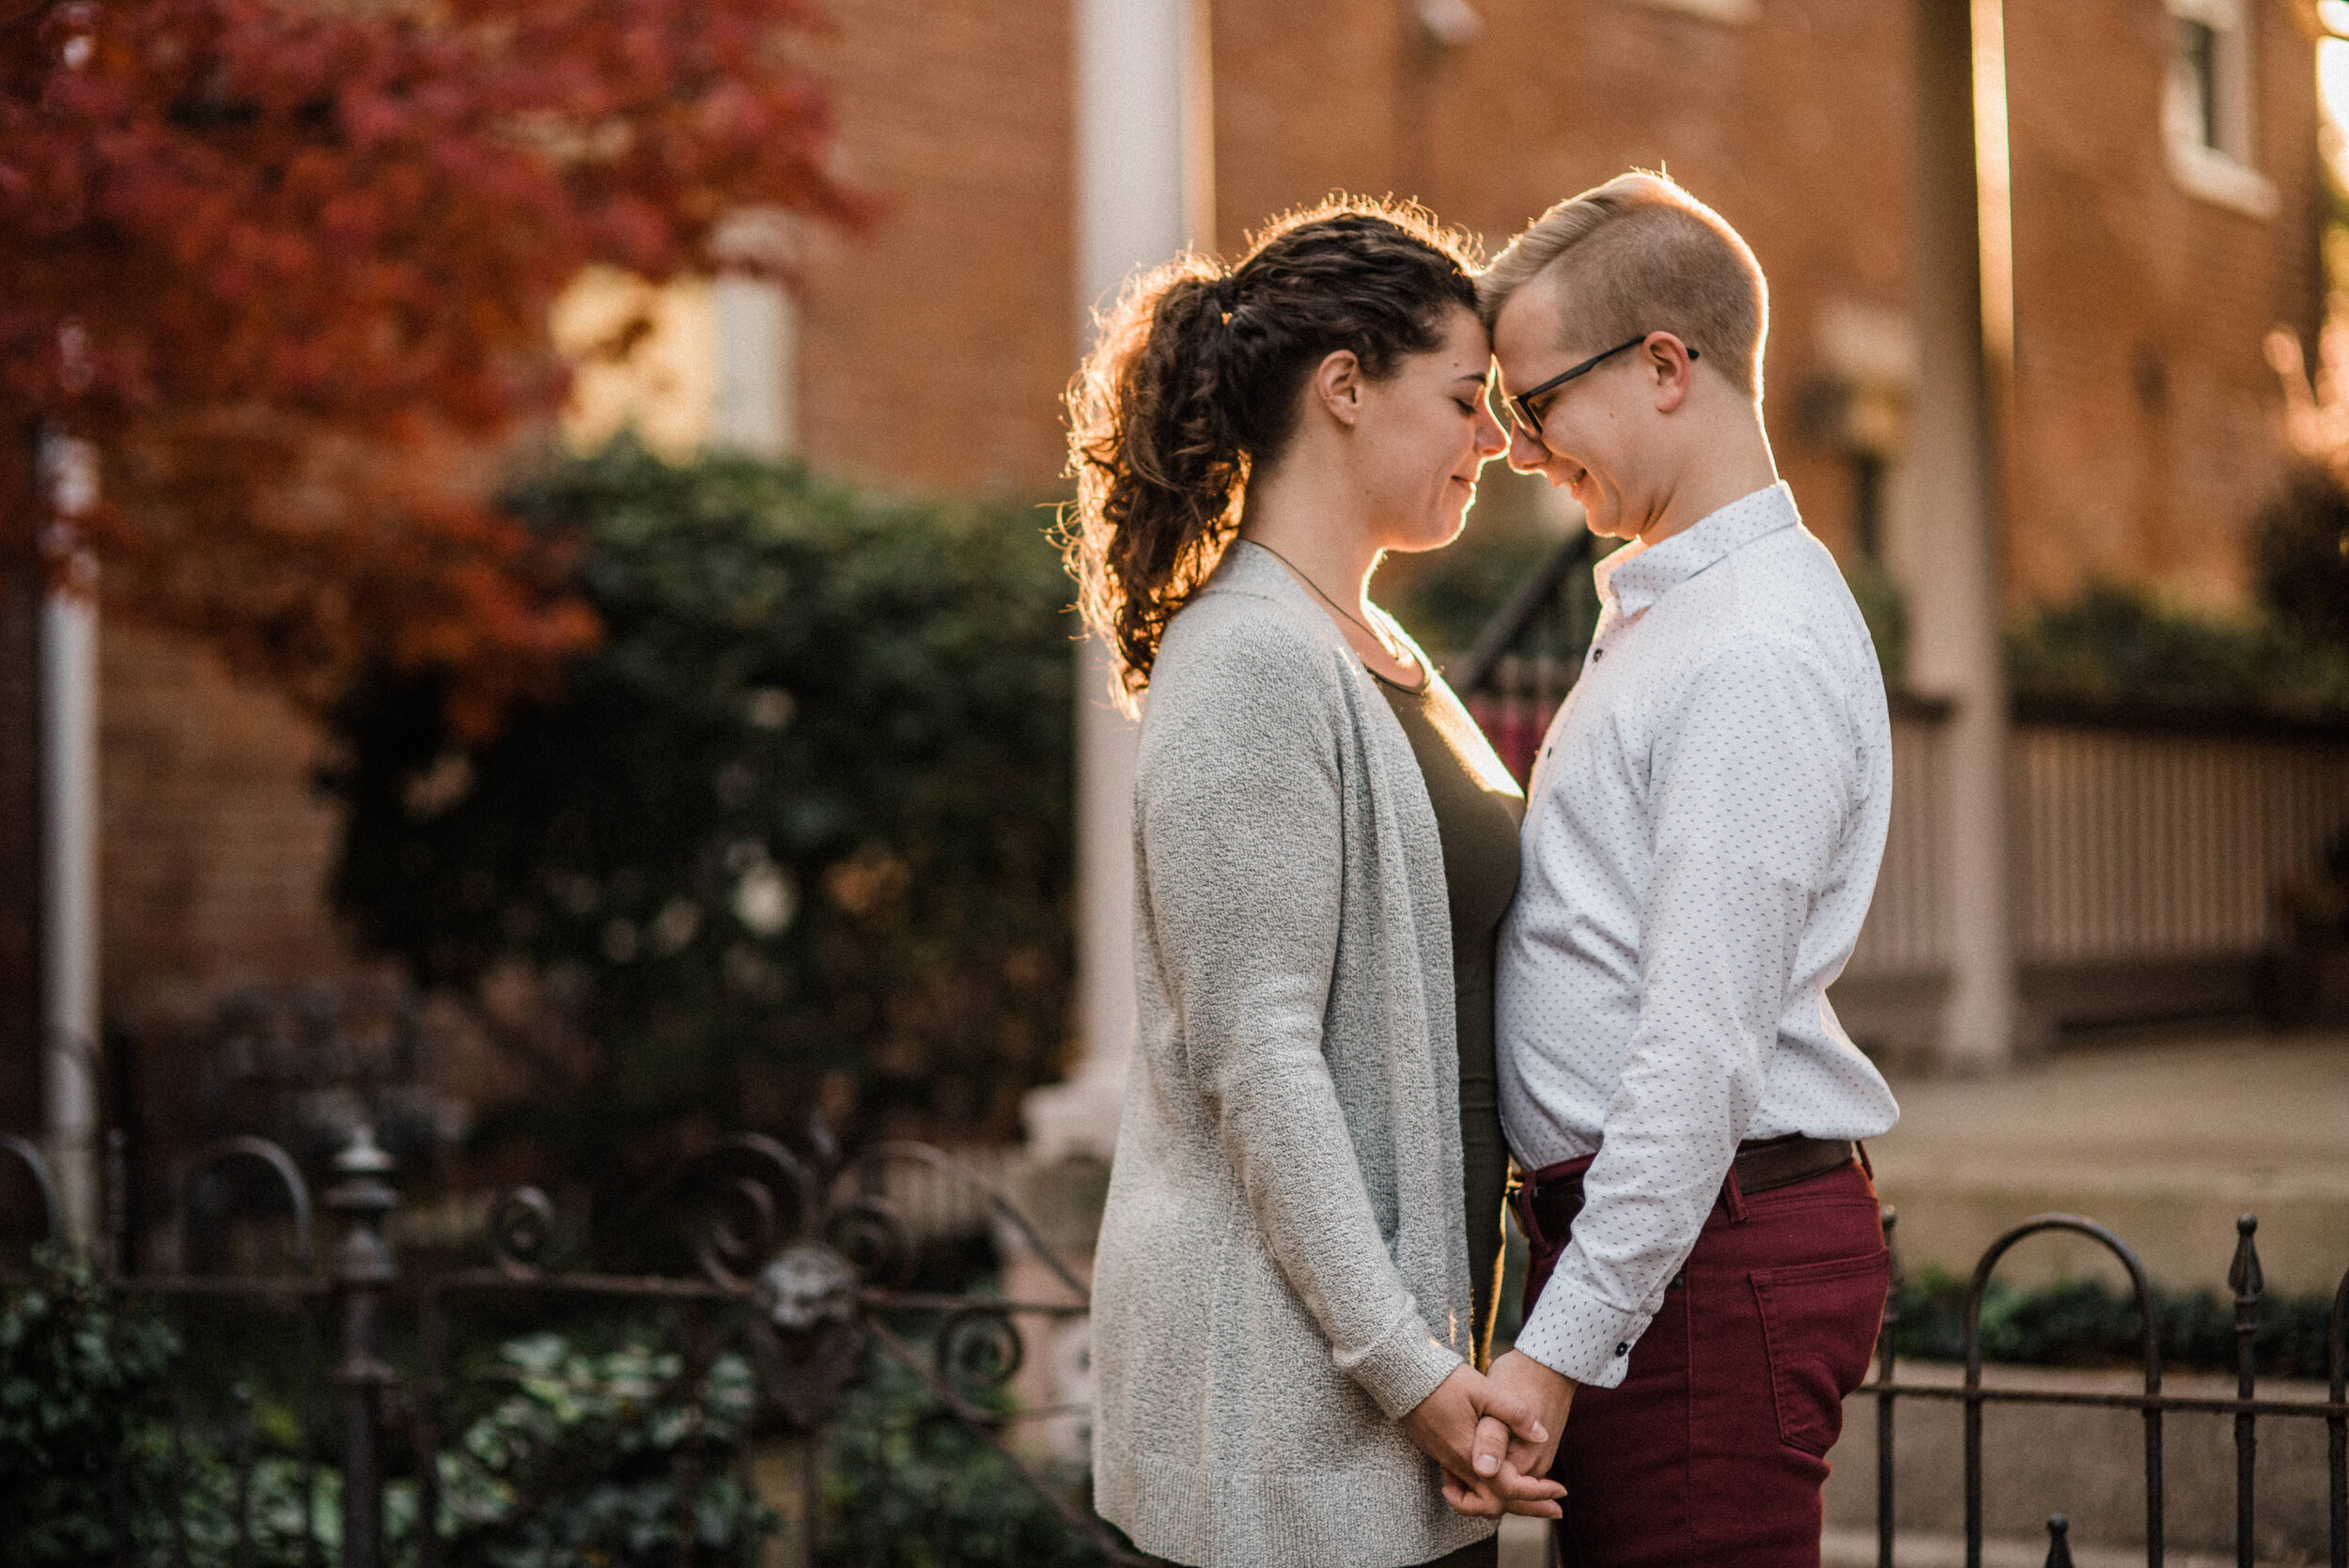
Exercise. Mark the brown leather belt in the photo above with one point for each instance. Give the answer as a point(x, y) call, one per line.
point(1784, 1161)
point(1554, 1194)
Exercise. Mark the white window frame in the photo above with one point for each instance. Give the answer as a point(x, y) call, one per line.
point(2221, 174)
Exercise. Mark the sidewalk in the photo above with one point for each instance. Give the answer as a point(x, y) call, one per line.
point(2164, 1141)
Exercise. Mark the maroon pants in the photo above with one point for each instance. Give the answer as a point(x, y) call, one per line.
point(1714, 1449)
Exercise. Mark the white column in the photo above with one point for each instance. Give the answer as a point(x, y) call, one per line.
point(69, 849)
point(1144, 189)
point(1948, 551)
point(755, 404)
point(754, 401)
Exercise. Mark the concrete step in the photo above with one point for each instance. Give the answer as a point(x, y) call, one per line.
point(1853, 1549)
point(2164, 1143)
point(2087, 1464)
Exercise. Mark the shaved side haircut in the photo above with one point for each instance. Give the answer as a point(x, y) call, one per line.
point(1639, 255)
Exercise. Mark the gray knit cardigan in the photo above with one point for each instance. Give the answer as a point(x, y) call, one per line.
point(1281, 1270)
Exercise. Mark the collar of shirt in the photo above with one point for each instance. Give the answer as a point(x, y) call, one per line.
point(1632, 579)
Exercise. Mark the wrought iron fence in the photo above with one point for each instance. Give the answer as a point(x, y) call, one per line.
point(2247, 1407)
point(802, 1264)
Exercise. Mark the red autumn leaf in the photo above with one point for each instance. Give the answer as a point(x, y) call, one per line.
point(290, 266)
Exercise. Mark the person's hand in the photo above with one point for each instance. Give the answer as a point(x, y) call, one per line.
point(1446, 1426)
point(1506, 1461)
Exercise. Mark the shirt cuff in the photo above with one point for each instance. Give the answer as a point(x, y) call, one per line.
point(1402, 1367)
point(1577, 1335)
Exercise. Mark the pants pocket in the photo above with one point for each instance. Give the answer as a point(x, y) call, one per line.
point(1819, 1324)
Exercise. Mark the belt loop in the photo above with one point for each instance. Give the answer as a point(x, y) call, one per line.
point(1732, 1196)
point(1865, 1164)
point(1522, 1201)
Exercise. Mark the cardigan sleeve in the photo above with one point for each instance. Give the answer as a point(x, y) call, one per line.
point(1239, 822)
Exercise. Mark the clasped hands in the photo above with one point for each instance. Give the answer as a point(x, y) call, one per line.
point(1495, 1434)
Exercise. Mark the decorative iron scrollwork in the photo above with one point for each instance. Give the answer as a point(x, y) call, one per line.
point(736, 1230)
point(808, 1344)
point(977, 1351)
point(519, 1225)
point(874, 1237)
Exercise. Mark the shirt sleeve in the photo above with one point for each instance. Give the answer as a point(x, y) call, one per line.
point(1241, 867)
point(1750, 783)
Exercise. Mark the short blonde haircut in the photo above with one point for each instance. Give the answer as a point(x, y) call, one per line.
point(1639, 255)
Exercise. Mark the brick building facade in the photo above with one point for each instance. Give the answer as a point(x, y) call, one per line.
point(2152, 251)
point(2140, 426)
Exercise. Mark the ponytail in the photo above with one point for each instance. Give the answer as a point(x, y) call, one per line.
point(1194, 382)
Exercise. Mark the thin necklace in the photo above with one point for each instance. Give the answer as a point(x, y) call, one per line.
point(1301, 577)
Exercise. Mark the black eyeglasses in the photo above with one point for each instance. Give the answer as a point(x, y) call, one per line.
point(1522, 404)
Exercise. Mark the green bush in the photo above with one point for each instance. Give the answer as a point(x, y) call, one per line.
point(2119, 644)
point(88, 1470)
point(2300, 554)
point(807, 809)
point(907, 1484)
point(575, 1467)
point(2088, 1322)
point(83, 1386)
point(579, 1466)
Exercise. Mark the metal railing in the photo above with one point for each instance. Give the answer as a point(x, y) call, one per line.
point(803, 1264)
point(801, 1261)
point(2247, 1407)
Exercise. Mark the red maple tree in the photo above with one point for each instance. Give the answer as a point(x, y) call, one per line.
point(287, 264)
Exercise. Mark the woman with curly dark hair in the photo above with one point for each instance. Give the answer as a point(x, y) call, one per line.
point(1296, 1269)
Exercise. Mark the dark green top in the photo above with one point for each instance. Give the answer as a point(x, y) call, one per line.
point(1478, 808)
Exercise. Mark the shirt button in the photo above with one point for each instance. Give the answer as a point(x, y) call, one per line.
point(1623, 1350)
point(1598, 654)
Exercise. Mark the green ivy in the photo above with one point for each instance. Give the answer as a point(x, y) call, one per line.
point(579, 1466)
point(907, 1484)
point(576, 1467)
point(83, 1383)
point(2088, 1322)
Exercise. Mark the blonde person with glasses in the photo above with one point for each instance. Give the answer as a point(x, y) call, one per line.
point(1702, 837)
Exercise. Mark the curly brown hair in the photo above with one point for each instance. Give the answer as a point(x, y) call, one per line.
point(1194, 382)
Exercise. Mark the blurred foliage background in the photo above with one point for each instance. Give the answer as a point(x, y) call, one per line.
point(797, 831)
point(2285, 657)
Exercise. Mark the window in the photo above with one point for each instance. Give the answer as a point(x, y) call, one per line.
point(2207, 109)
point(1728, 11)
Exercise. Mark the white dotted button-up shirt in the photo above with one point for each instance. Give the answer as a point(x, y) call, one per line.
point(1701, 842)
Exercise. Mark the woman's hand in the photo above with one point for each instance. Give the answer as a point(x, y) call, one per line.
point(1445, 1425)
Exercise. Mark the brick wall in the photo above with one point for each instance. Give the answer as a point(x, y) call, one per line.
point(934, 350)
point(2143, 436)
point(215, 846)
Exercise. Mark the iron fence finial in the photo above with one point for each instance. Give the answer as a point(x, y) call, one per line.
point(2243, 1276)
point(2059, 1543)
point(363, 1198)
